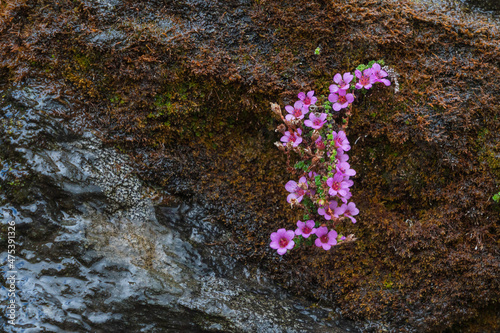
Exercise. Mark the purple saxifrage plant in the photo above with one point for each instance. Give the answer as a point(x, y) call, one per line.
point(319, 145)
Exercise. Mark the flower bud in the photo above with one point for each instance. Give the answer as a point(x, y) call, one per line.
point(276, 109)
point(281, 128)
point(320, 144)
point(315, 135)
point(350, 238)
point(279, 145)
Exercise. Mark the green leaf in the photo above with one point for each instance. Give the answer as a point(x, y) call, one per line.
point(299, 165)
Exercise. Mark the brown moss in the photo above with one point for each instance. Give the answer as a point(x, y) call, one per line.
point(188, 98)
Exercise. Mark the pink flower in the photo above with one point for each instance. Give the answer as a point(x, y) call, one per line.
point(346, 197)
point(325, 239)
point(312, 174)
point(319, 143)
point(327, 211)
point(342, 83)
point(305, 229)
point(308, 99)
point(294, 137)
point(365, 79)
point(323, 211)
point(345, 169)
point(338, 186)
point(315, 122)
point(282, 241)
point(378, 73)
point(297, 111)
point(340, 140)
point(341, 156)
point(349, 210)
point(340, 101)
point(297, 191)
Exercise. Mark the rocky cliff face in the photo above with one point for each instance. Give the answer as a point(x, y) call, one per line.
point(95, 251)
point(184, 87)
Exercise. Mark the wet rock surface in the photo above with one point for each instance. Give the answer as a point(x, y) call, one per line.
point(95, 253)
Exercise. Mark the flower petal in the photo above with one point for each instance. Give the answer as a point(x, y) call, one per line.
point(291, 186)
point(282, 251)
point(290, 234)
point(275, 245)
point(310, 224)
point(298, 105)
point(321, 231)
point(348, 77)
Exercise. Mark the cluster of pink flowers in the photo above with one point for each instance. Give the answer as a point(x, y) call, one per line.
point(329, 208)
point(339, 95)
point(323, 187)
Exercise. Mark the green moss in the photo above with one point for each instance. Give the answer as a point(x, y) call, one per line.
point(82, 61)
